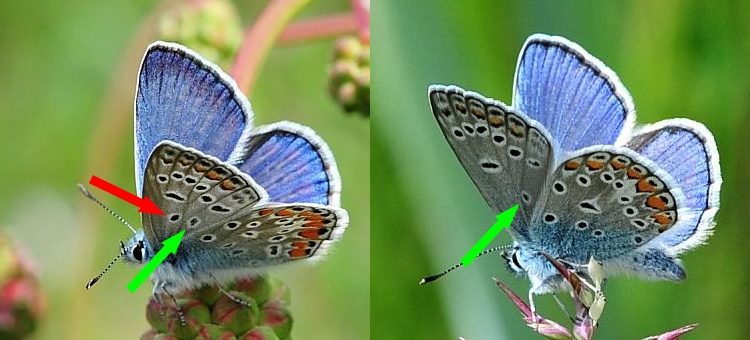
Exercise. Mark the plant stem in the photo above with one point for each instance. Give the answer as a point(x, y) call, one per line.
point(324, 27)
point(362, 11)
point(259, 38)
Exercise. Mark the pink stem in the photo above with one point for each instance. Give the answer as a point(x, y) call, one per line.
point(362, 11)
point(333, 25)
point(260, 38)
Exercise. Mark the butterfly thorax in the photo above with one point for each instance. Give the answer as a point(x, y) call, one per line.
point(522, 259)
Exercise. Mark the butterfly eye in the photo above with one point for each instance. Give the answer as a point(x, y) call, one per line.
point(138, 252)
point(514, 258)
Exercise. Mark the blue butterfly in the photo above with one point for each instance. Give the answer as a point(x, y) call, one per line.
point(588, 183)
point(248, 197)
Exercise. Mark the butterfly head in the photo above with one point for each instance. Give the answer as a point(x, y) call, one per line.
point(137, 250)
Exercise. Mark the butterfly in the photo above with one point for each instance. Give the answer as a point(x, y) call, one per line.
point(588, 183)
point(248, 198)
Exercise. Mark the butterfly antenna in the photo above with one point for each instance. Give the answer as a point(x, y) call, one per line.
point(431, 278)
point(116, 215)
point(93, 281)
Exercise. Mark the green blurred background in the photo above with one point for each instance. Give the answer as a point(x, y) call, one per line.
point(68, 74)
point(677, 58)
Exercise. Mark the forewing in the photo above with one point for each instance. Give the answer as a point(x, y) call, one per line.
point(195, 191)
point(506, 154)
point(186, 99)
point(574, 95)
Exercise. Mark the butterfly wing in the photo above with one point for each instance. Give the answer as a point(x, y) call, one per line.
point(605, 202)
point(574, 95)
point(267, 235)
point(687, 151)
point(292, 163)
point(184, 98)
point(506, 154)
point(195, 191)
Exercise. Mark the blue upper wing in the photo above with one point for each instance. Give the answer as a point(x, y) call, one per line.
point(575, 96)
point(292, 163)
point(687, 151)
point(184, 98)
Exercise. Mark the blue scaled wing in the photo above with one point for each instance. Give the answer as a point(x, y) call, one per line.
point(186, 99)
point(687, 151)
point(575, 96)
point(292, 163)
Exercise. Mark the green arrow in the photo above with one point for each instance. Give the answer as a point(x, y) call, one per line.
point(503, 220)
point(170, 246)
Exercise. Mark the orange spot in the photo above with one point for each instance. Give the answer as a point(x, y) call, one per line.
point(594, 164)
point(295, 253)
point(663, 218)
point(478, 112)
point(265, 212)
point(227, 185)
point(314, 224)
point(285, 212)
point(310, 215)
point(213, 175)
point(572, 165)
point(199, 167)
point(632, 173)
point(309, 234)
point(460, 107)
point(300, 249)
point(496, 121)
point(516, 130)
point(314, 218)
point(184, 161)
point(644, 186)
point(616, 164)
point(655, 202)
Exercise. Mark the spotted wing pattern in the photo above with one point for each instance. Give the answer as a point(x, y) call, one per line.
point(195, 191)
point(270, 235)
point(506, 154)
point(229, 223)
point(605, 201)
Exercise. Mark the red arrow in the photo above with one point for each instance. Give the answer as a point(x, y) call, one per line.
point(144, 205)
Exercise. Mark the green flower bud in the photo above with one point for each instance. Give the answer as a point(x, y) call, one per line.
point(276, 315)
point(214, 332)
point(234, 316)
point(210, 314)
point(260, 333)
point(211, 28)
point(349, 75)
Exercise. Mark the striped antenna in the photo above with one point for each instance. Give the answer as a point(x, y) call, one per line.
point(116, 215)
point(93, 281)
point(431, 278)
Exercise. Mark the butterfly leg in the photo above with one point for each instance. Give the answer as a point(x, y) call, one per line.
point(232, 297)
point(156, 296)
point(180, 314)
point(531, 303)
